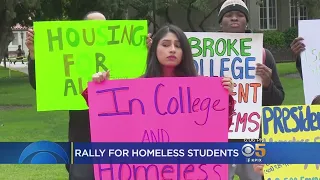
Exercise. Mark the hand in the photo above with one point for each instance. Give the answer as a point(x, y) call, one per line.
point(149, 41)
point(258, 168)
point(297, 46)
point(265, 73)
point(228, 84)
point(30, 42)
point(100, 77)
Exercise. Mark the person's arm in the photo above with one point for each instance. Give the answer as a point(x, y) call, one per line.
point(231, 110)
point(298, 65)
point(274, 94)
point(32, 72)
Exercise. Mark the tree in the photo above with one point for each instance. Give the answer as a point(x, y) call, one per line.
point(145, 9)
point(7, 11)
point(25, 12)
point(312, 6)
point(191, 6)
point(202, 6)
point(112, 9)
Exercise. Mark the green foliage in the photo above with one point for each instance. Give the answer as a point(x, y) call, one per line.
point(203, 6)
point(112, 9)
point(274, 39)
point(312, 6)
point(34, 10)
point(142, 7)
point(290, 34)
point(309, 3)
point(278, 39)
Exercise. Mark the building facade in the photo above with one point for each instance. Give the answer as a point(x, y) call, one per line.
point(20, 34)
point(275, 14)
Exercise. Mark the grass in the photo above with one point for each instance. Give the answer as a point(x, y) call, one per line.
point(26, 124)
point(293, 87)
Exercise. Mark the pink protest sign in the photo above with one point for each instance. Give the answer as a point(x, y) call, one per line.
point(189, 109)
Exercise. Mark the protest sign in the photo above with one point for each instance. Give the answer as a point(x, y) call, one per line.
point(68, 53)
point(300, 123)
point(234, 55)
point(310, 59)
point(189, 109)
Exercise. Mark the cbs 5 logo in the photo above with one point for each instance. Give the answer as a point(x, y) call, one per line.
point(43, 152)
point(259, 150)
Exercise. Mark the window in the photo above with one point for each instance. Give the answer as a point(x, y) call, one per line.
point(268, 14)
point(15, 41)
point(297, 12)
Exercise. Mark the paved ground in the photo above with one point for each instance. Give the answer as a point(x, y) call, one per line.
point(295, 75)
point(17, 67)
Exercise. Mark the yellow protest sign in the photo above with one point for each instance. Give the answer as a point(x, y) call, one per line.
point(68, 53)
point(298, 123)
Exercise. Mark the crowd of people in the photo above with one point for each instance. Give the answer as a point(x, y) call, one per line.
point(170, 55)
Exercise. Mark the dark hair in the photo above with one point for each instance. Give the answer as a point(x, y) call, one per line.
point(85, 17)
point(185, 69)
point(316, 100)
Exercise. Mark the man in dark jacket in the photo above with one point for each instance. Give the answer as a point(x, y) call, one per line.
point(233, 18)
point(79, 126)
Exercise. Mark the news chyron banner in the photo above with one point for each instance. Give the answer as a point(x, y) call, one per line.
point(170, 155)
point(159, 110)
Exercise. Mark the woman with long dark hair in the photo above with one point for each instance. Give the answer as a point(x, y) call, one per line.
point(170, 56)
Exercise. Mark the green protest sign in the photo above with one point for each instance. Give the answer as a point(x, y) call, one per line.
point(68, 53)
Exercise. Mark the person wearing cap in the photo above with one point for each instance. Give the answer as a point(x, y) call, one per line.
point(233, 18)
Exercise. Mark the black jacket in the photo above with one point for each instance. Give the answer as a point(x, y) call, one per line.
point(274, 95)
point(298, 65)
point(79, 126)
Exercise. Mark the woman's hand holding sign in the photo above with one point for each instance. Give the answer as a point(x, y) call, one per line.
point(101, 76)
